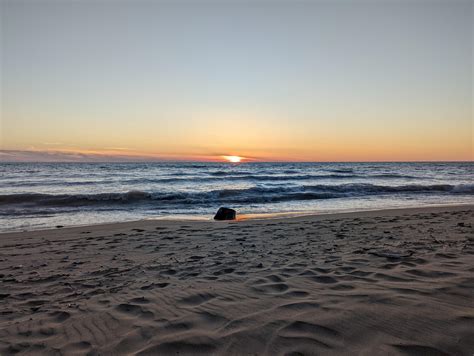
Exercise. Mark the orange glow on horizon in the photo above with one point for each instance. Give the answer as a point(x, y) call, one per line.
point(233, 159)
point(330, 153)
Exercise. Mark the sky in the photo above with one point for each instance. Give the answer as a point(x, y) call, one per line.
point(341, 80)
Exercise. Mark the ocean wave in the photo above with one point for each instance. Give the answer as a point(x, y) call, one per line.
point(201, 179)
point(253, 195)
point(260, 178)
point(52, 183)
point(341, 170)
point(229, 172)
point(71, 199)
point(392, 175)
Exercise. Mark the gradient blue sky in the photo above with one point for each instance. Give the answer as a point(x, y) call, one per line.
point(271, 80)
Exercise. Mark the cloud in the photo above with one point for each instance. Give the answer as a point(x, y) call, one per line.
point(66, 156)
point(108, 155)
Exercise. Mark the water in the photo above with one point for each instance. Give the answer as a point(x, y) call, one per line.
point(41, 195)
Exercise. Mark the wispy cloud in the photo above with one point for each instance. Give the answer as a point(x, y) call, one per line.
point(105, 155)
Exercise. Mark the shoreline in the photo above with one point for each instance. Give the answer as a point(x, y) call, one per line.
point(244, 218)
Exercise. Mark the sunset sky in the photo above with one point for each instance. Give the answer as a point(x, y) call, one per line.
point(336, 80)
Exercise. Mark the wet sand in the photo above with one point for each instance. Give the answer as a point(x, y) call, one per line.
point(384, 282)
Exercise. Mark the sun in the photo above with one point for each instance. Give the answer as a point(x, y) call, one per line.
point(233, 159)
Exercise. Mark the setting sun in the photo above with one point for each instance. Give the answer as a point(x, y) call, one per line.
point(233, 159)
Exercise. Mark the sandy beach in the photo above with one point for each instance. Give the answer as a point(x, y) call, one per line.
point(382, 282)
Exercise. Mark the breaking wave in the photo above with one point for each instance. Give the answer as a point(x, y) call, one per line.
point(248, 195)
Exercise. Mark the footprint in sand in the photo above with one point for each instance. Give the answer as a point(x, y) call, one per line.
point(187, 346)
point(324, 279)
point(134, 310)
point(271, 284)
point(197, 299)
point(271, 288)
point(430, 274)
point(140, 300)
point(296, 294)
point(419, 350)
point(299, 306)
point(59, 316)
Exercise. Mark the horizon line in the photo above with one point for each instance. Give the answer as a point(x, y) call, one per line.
point(239, 163)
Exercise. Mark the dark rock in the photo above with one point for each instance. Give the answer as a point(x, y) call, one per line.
point(225, 214)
